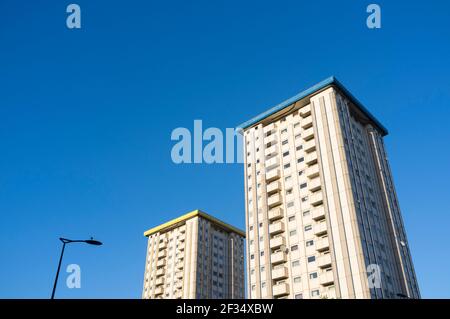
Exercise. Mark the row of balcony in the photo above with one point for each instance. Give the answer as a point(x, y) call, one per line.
point(280, 290)
point(280, 257)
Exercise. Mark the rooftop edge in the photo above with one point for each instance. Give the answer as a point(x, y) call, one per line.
point(195, 213)
point(313, 89)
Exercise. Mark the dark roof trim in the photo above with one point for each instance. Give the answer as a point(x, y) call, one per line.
point(319, 86)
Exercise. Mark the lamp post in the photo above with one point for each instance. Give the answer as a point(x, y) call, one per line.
point(69, 241)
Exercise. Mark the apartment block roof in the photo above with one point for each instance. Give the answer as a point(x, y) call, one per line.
point(196, 213)
point(331, 81)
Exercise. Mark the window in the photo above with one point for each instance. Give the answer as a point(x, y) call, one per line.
point(313, 275)
point(315, 293)
point(309, 243)
point(291, 218)
point(301, 173)
point(293, 233)
point(252, 256)
point(263, 284)
point(299, 148)
point(308, 227)
point(289, 191)
point(311, 259)
point(285, 154)
point(287, 166)
point(294, 248)
point(306, 213)
point(290, 204)
point(297, 279)
point(284, 142)
point(287, 178)
point(296, 124)
point(304, 199)
point(297, 136)
point(295, 263)
point(301, 159)
point(302, 185)
point(299, 296)
point(284, 131)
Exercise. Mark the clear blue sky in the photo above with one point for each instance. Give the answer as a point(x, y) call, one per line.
point(86, 117)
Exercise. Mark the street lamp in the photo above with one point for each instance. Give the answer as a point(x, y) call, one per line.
point(69, 241)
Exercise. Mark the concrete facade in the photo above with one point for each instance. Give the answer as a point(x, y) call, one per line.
point(322, 215)
point(195, 256)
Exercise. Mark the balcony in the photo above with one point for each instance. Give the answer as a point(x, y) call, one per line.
point(161, 263)
point(278, 257)
point(322, 244)
point(158, 291)
point(309, 146)
point(179, 275)
point(159, 281)
point(311, 158)
point(308, 134)
point(162, 245)
point(274, 200)
point(324, 261)
point(277, 242)
point(162, 254)
point(312, 171)
point(181, 248)
point(273, 187)
point(280, 290)
point(181, 238)
point(180, 265)
point(318, 213)
point(320, 228)
point(314, 185)
point(271, 151)
point(269, 128)
point(326, 278)
point(316, 198)
point(305, 111)
point(272, 175)
point(272, 163)
point(276, 228)
point(307, 123)
point(271, 139)
point(275, 213)
point(279, 273)
point(159, 272)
